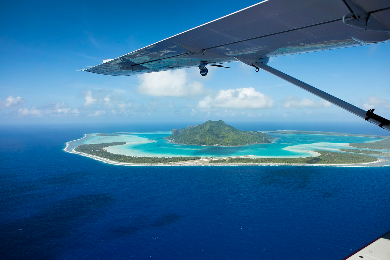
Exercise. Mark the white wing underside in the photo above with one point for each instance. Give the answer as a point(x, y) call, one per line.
point(267, 29)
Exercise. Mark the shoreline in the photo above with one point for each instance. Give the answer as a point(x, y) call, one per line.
point(202, 162)
point(206, 161)
point(67, 143)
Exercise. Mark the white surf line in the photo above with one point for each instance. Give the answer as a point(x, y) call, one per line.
point(100, 159)
point(191, 163)
point(67, 143)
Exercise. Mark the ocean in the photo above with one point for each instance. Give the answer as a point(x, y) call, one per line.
point(56, 205)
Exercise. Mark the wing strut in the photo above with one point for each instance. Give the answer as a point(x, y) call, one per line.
point(367, 115)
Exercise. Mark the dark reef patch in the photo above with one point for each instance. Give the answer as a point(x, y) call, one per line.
point(144, 222)
point(68, 178)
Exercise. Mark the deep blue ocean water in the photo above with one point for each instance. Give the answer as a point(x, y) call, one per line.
point(56, 205)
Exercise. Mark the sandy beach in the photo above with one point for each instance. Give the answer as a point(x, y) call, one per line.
point(206, 162)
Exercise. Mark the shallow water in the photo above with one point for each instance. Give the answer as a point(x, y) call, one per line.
point(285, 145)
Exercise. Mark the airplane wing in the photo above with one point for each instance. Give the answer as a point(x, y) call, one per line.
point(266, 29)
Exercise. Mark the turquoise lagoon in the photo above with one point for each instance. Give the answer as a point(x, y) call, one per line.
point(153, 144)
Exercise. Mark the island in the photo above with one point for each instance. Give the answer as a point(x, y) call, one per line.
point(217, 133)
point(99, 151)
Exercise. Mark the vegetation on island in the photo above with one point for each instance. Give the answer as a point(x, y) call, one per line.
point(217, 133)
point(296, 132)
point(325, 157)
point(360, 151)
point(382, 144)
point(105, 134)
point(99, 150)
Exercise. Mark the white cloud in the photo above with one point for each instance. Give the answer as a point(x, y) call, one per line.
point(294, 102)
point(115, 103)
point(120, 91)
point(75, 111)
point(89, 100)
point(107, 100)
point(124, 106)
point(254, 115)
point(168, 84)
point(97, 113)
point(205, 103)
point(29, 112)
point(376, 102)
point(11, 101)
point(56, 109)
point(240, 98)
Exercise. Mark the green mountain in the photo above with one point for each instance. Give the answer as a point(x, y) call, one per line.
point(217, 133)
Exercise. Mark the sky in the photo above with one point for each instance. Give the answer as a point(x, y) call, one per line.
point(44, 43)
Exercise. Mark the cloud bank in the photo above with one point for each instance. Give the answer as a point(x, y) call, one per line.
point(49, 109)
